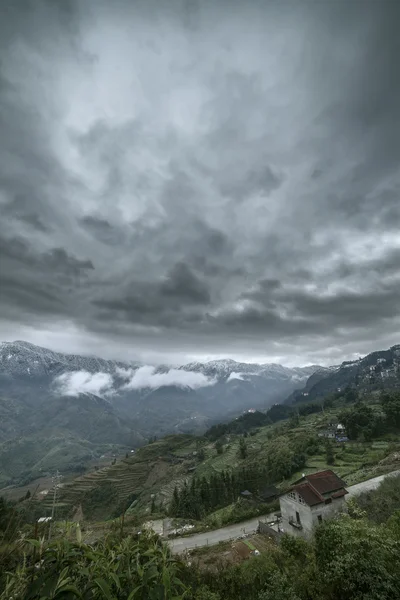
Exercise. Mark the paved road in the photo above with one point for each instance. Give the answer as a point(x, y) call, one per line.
point(217, 535)
point(370, 484)
point(209, 538)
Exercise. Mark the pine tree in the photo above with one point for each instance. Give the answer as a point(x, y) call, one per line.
point(219, 447)
point(330, 455)
point(242, 448)
point(174, 506)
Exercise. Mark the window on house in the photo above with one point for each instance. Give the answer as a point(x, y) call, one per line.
point(298, 518)
point(300, 499)
point(292, 495)
point(319, 518)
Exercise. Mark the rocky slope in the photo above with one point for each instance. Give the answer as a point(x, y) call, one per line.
point(380, 369)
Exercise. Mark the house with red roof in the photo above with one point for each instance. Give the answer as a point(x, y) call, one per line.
point(311, 500)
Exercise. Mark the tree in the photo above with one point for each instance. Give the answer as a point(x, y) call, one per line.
point(356, 559)
point(361, 419)
point(243, 448)
point(278, 588)
point(330, 455)
point(201, 454)
point(219, 447)
point(350, 395)
point(174, 506)
point(391, 406)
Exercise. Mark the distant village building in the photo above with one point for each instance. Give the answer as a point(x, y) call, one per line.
point(334, 431)
point(246, 494)
point(310, 501)
point(329, 434)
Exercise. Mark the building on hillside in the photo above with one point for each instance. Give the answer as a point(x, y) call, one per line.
point(246, 494)
point(311, 500)
point(327, 433)
point(268, 493)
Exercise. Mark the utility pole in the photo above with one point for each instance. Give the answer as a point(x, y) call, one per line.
point(56, 481)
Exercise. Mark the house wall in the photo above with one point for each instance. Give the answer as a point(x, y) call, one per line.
point(308, 515)
point(289, 506)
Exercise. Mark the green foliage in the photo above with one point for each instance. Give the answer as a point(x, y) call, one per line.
point(351, 558)
point(201, 455)
point(243, 452)
point(378, 505)
point(219, 447)
point(390, 402)
point(128, 569)
point(239, 511)
point(204, 496)
point(241, 425)
point(350, 395)
point(101, 501)
point(362, 420)
point(357, 561)
point(330, 455)
point(278, 588)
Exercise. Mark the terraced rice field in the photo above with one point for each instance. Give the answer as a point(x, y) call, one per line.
point(126, 476)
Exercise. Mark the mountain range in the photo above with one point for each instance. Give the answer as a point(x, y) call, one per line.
point(61, 410)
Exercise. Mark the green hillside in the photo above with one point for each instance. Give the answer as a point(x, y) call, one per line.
point(275, 453)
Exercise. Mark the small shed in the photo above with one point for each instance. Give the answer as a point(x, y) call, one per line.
point(269, 493)
point(246, 494)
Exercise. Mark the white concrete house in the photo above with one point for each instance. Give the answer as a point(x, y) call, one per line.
point(310, 500)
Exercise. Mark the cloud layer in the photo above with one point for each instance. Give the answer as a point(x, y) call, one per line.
point(196, 179)
point(103, 384)
point(82, 382)
point(146, 377)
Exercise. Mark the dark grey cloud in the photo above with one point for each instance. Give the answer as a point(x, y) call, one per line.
point(102, 230)
point(193, 179)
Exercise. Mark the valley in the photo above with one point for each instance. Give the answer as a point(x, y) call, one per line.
point(60, 411)
point(204, 493)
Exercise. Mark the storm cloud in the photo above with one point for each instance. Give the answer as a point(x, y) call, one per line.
point(193, 179)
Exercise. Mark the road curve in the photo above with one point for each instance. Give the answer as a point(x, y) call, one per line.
point(370, 484)
point(210, 538)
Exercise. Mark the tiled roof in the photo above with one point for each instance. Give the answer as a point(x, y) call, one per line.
point(317, 487)
point(325, 481)
point(309, 495)
point(269, 491)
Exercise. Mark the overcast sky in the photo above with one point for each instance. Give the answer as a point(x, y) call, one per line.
point(195, 179)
